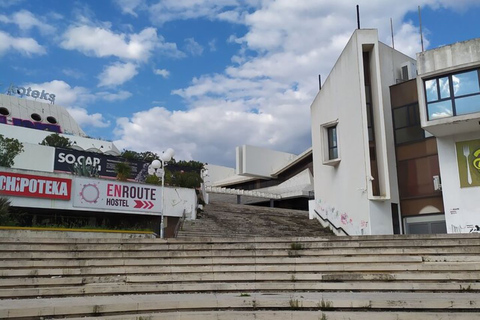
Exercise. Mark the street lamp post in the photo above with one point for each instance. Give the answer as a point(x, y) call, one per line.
point(158, 168)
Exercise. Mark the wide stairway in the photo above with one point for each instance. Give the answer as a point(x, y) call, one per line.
point(228, 220)
point(372, 277)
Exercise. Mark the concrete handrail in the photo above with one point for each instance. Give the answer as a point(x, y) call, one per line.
point(326, 220)
point(179, 224)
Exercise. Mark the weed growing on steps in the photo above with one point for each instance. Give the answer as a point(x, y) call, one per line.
point(325, 304)
point(293, 278)
point(244, 294)
point(324, 317)
point(295, 304)
point(296, 246)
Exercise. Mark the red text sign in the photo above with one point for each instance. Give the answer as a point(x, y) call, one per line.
point(26, 185)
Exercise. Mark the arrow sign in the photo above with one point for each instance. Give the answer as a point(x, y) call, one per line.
point(139, 204)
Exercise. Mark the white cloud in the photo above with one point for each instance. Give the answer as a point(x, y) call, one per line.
point(74, 97)
point(26, 21)
point(84, 119)
point(212, 45)
point(129, 6)
point(26, 46)
point(110, 96)
point(117, 74)
point(263, 97)
point(162, 72)
point(193, 47)
point(102, 42)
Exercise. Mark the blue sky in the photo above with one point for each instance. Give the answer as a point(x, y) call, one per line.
point(202, 76)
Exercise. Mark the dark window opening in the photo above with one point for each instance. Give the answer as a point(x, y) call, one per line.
point(51, 120)
point(4, 111)
point(332, 143)
point(36, 117)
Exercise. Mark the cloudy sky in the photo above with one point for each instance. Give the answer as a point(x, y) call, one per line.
point(202, 76)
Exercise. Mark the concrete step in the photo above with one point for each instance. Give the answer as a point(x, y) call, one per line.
point(290, 315)
point(411, 277)
point(331, 301)
point(219, 287)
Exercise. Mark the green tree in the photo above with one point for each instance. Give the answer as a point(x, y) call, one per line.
point(123, 171)
point(56, 140)
point(9, 149)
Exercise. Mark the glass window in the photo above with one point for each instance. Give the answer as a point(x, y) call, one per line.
point(444, 88)
point(431, 90)
point(400, 117)
point(332, 143)
point(467, 105)
point(438, 110)
point(465, 83)
point(409, 134)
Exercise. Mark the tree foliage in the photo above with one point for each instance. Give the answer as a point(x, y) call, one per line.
point(56, 140)
point(146, 156)
point(9, 149)
point(123, 171)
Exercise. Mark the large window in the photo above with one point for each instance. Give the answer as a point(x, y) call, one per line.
point(453, 95)
point(331, 150)
point(406, 122)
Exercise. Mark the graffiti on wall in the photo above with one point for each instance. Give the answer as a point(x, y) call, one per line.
point(341, 219)
point(468, 161)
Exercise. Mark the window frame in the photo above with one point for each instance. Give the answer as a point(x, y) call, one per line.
point(326, 130)
point(452, 98)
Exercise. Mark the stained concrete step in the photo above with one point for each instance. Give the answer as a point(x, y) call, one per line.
point(473, 242)
point(390, 277)
point(440, 252)
point(49, 263)
point(289, 315)
point(219, 287)
point(105, 305)
point(356, 267)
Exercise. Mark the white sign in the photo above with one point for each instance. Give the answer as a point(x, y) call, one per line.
point(111, 194)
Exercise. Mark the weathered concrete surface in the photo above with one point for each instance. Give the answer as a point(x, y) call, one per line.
point(231, 220)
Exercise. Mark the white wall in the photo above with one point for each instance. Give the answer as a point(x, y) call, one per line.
point(344, 192)
point(217, 173)
point(462, 205)
point(260, 162)
point(341, 191)
point(35, 157)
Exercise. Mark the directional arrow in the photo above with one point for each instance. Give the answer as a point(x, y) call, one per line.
point(139, 204)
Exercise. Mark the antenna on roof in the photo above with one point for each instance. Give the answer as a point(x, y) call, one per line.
point(319, 82)
point(391, 29)
point(420, 20)
point(358, 16)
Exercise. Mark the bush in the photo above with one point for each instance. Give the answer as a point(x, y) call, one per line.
point(56, 140)
point(9, 149)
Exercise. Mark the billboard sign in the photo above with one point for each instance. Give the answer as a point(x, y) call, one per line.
point(122, 196)
point(66, 159)
point(26, 185)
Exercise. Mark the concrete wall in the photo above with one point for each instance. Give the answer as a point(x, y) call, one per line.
point(462, 205)
point(35, 157)
point(343, 191)
point(260, 162)
point(217, 173)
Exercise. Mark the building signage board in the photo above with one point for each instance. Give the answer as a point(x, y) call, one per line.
point(28, 92)
point(66, 159)
point(30, 124)
point(25, 185)
point(468, 160)
point(122, 196)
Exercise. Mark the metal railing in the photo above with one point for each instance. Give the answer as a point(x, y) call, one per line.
point(326, 220)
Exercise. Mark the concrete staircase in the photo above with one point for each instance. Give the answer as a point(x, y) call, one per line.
point(372, 277)
point(228, 220)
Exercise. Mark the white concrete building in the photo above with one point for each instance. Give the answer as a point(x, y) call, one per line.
point(353, 146)
point(449, 98)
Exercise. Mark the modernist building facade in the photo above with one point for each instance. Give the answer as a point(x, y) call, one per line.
point(395, 152)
